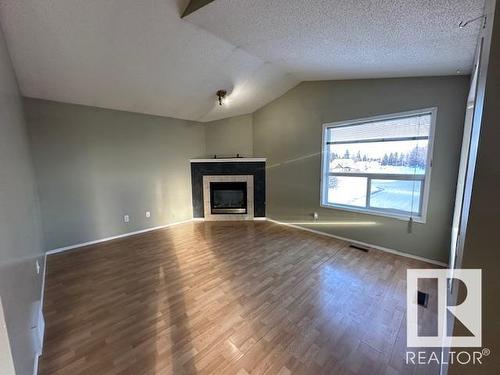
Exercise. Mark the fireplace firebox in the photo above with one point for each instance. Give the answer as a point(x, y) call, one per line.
point(228, 197)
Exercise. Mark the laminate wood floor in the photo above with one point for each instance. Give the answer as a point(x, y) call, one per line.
point(226, 298)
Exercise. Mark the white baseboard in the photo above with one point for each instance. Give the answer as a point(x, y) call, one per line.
point(38, 330)
point(76, 246)
point(35, 366)
point(387, 250)
point(41, 319)
point(253, 219)
point(44, 273)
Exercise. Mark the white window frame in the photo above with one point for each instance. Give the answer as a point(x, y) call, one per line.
point(371, 211)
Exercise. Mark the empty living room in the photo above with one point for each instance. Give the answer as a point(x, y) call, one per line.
point(249, 187)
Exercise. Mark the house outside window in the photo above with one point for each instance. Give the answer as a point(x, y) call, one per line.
point(379, 165)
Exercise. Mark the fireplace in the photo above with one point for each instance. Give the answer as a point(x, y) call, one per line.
point(251, 171)
point(228, 197)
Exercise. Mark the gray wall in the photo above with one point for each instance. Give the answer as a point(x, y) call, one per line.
point(94, 165)
point(230, 136)
point(288, 132)
point(20, 235)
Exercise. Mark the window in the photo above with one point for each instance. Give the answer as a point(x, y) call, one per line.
point(379, 165)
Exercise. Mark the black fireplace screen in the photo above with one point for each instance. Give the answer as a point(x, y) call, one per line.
point(228, 197)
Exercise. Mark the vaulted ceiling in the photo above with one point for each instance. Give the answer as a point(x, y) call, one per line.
point(142, 56)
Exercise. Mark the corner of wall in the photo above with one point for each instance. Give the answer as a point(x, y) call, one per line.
point(20, 232)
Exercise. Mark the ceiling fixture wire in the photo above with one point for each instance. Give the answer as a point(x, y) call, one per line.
point(463, 24)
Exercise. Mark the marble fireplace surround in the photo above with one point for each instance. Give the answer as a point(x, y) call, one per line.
point(228, 178)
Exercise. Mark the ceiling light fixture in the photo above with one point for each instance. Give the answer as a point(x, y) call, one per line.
point(221, 94)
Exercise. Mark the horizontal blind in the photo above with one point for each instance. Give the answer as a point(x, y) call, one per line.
point(417, 127)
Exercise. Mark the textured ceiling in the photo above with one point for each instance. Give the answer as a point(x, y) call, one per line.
point(141, 56)
point(133, 55)
point(339, 39)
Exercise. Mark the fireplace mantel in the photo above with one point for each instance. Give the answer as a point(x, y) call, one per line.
point(228, 160)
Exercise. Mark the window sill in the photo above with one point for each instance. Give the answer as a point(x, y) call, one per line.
point(416, 219)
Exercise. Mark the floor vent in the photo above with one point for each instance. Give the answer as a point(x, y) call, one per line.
point(357, 247)
point(422, 298)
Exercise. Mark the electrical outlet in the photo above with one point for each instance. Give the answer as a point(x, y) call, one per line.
point(126, 218)
point(148, 214)
point(315, 216)
point(37, 265)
